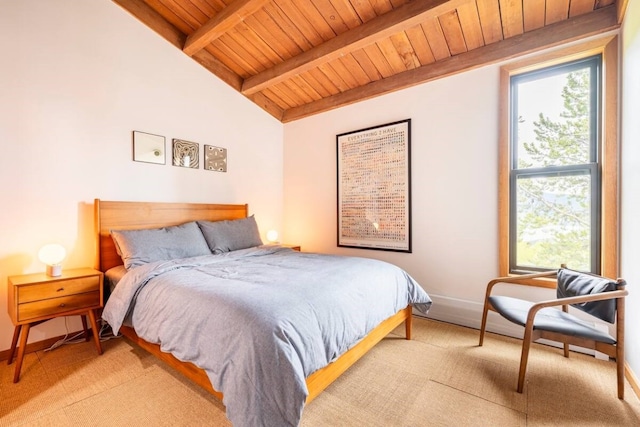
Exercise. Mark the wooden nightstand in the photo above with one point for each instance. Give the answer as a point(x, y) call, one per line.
point(36, 298)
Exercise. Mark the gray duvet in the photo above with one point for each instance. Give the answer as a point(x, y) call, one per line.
point(260, 320)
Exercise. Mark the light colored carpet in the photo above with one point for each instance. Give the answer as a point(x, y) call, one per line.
point(440, 378)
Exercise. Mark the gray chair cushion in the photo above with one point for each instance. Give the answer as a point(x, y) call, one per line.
point(574, 283)
point(547, 319)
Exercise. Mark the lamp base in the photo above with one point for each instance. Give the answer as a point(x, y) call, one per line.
point(54, 270)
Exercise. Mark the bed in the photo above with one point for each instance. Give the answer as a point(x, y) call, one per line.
point(113, 215)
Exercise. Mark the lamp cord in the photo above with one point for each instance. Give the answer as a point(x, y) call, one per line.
point(104, 334)
point(66, 339)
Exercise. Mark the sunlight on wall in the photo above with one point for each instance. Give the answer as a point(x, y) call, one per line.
point(67, 115)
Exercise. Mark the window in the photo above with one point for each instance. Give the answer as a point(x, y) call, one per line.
point(558, 160)
point(554, 177)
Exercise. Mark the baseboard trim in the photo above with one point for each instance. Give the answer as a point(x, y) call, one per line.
point(39, 345)
point(632, 378)
point(469, 314)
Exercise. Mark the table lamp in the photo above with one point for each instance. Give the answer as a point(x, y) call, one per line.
point(52, 255)
point(272, 236)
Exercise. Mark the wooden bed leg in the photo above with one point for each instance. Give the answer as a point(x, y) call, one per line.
point(408, 322)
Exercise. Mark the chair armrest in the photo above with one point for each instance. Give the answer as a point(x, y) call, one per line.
point(574, 300)
point(514, 280)
point(582, 298)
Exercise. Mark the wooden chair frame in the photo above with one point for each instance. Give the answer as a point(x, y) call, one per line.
point(615, 351)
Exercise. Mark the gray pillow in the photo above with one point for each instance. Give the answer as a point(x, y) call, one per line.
point(138, 247)
point(231, 235)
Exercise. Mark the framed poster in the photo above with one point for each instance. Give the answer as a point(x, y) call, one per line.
point(374, 187)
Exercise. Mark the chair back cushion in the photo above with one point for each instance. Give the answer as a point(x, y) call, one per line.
point(574, 283)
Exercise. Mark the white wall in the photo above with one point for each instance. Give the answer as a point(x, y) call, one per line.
point(77, 77)
point(454, 188)
point(454, 151)
point(630, 129)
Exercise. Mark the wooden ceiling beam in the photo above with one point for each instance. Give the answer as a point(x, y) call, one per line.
point(152, 19)
point(267, 105)
point(384, 26)
point(224, 73)
point(622, 9)
point(597, 22)
point(225, 20)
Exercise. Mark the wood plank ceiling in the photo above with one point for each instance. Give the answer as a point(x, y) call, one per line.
point(296, 58)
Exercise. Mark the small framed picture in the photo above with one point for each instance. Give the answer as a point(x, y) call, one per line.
point(185, 154)
point(215, 158)
point(148, 148)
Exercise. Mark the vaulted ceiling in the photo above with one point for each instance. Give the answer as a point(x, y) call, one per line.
point(296, 58)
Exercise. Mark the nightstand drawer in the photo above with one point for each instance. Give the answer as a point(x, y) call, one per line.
point(53, 306)
point(59, 288)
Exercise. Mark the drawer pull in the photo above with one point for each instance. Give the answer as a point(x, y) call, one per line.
point(60, 290)
point(62, 305)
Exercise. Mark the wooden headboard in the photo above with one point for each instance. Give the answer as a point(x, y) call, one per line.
point(132, 215)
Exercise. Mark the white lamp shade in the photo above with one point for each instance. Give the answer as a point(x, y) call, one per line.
point(272, 236)
point(52, 254)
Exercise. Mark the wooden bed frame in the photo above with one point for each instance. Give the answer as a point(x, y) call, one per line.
point(110, 215)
